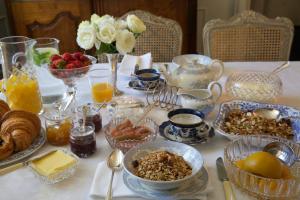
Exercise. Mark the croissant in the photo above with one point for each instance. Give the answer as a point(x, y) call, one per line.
point(22, 139)
point(4, 108)
point(11, 124)
point(35, 120)
point(6, 146)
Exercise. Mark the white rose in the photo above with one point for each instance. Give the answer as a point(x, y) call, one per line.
point(135, 24)
point(95, 18)
point(120, 24)
point(125, 41)
point(86, 36)
point(105, 19)
point(107, 33)
point(83, 24)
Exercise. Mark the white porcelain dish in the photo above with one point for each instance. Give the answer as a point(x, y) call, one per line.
point(191, 155)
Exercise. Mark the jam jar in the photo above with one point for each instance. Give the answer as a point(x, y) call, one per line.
point(83, 141)
point(93, 116)
point(58, 129)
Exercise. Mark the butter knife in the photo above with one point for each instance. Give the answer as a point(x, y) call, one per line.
point(222, 174)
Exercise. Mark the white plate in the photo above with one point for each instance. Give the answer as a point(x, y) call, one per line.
point(195, 187)
point(36, 145)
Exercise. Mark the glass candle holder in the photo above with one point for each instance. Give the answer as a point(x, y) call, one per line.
point(83, 141)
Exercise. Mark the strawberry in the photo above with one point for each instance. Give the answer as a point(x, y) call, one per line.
point(70, 66)
point(59, 63)
point(77, 55)
point(83, 58)
point(55, 57)
point(77, 63)
point(67, 57)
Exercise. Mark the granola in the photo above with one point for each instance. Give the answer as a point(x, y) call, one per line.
point(161, 166)
point(240, 122)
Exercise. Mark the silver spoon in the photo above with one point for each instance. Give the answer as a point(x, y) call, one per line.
point(283, 152)
point(280, 68)
point(267, 113)
point(114, 162)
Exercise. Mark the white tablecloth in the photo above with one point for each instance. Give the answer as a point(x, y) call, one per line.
point(22, 184)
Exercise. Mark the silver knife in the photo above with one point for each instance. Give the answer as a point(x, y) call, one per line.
point(222, 174)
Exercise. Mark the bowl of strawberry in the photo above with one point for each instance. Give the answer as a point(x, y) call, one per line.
point(69, 66)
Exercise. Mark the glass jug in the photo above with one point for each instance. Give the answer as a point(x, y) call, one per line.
point(19, 85)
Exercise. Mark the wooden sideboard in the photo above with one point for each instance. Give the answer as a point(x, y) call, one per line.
point(60, 18)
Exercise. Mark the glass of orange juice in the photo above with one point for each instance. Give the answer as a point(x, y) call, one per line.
point(101, 85)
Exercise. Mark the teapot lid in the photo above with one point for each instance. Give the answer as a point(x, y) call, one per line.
point(194, 65)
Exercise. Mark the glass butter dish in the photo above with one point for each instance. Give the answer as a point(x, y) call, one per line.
point(54, 166)
point(254, 86)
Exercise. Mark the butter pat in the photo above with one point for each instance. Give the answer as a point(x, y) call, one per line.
point(53, 163)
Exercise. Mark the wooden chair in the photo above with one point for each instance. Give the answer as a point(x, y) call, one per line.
point(248, 36)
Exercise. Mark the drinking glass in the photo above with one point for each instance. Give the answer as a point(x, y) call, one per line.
point(43, 49)
point(101, 85)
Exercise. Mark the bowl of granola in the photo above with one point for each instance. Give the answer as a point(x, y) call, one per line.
point(163, 165)
point(238, 118)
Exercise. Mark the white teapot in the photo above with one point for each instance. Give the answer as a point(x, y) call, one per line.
point(193, 71)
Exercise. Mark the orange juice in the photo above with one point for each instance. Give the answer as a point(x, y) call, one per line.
point(102, 92)
point(22, 93)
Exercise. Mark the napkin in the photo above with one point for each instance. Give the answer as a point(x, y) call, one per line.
point(120, 191)
point(129, 61)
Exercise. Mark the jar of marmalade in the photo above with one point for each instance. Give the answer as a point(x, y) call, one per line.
point(58, 129)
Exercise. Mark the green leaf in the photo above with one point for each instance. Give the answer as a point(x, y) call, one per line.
point(107, 48)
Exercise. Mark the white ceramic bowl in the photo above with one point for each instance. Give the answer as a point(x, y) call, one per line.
point(191, 155)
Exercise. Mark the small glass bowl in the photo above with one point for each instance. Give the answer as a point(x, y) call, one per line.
point(58, 177)
point(257, 186)
point(125, 145)
point(254, 86)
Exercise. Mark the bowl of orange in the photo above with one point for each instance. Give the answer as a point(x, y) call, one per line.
point(259, 173)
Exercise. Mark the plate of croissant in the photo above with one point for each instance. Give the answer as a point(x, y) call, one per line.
point(21, 134)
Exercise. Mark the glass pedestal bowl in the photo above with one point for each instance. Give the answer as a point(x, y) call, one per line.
point(254, 86)
point(69, 77)
point(258, 186)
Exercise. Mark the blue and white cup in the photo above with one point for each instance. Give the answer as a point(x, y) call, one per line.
point(187, 123)
point(148, 78)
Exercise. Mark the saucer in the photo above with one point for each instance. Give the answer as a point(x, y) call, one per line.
point(196, 186)
point(165, 130)
point(136, 85)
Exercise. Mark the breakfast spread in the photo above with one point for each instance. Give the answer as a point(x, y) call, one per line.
point(127, 131)
point(161, 166)
point(19, 129)
point(247, 123)
point(53, 163)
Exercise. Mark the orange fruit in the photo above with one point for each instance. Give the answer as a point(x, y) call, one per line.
point(263, 164)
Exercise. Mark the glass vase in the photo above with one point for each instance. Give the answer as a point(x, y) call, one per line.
point(113, 62)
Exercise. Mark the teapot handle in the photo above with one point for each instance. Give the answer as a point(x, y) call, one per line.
point(211, 87)
point(221, 66)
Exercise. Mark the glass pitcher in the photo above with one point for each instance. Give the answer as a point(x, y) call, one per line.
point(19, 85)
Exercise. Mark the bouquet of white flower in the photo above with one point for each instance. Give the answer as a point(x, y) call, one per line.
point(110, 35)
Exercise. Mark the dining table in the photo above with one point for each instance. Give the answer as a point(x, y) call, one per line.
point(22, 183)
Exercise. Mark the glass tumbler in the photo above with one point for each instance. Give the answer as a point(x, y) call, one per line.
point(43, 49)
point(101, 85)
